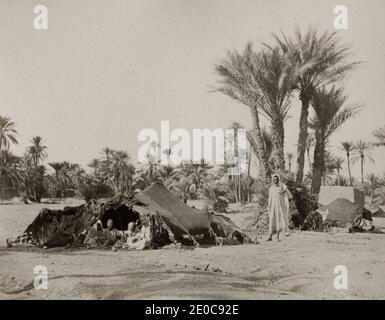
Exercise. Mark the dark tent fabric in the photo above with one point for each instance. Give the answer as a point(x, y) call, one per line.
point(169, 220)
point(178, 216)
point(341, 210)
point(60, 227)
point(224, 227)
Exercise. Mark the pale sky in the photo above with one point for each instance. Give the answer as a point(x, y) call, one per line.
point(104, 70)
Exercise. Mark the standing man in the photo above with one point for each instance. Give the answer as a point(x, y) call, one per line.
point(278, 206)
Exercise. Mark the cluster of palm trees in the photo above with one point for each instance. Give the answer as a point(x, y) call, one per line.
point(113, 173)
point(359, 151)
point(310, 64)
point(355, 152)
point(114, 170)
point(194, 180)
point(24, 174)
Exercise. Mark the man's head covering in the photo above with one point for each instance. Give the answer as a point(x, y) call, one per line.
point(275, 175)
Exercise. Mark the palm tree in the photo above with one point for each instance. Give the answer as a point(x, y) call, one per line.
point(216, 192)
point(32, 178)
point(37, 150)
point(330, 113)
point(153, 159)
point(264, 79)
point(338, 167)
point(57, 166)
point(119, 173)
point(347, 146)
point(289, 157)
point(179, 187)
point(374, 183)
point(274, 81)
point(269, 145)
point(236, 126)
point(9, 173)
point(379, 134)
point(235, 178)
point(8, 133)
point(63, 176)
point(307, 180)
point(234, 74)
point(95, 165)
point(341, 181)
point(362, 152)
point(317, 60)
point(329, 168)
point(107, 153)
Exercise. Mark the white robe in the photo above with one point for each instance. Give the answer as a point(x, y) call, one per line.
point(278, 208)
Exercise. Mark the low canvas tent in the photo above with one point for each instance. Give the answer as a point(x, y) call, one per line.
point(180, 218)
point(342, 212)
point(169, 220)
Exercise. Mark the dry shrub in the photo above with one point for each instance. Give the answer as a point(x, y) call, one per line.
point(258, 222)
point(303, 204)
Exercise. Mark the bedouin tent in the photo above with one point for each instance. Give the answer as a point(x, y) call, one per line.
point(342, 212)
point(170, 220)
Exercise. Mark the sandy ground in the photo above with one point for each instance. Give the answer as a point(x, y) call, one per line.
point(299, 267)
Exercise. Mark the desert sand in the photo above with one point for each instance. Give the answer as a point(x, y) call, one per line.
point(299, 267)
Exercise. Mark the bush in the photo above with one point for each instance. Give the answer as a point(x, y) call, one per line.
point(303, 204)
point(220, 206)
point(261, 192)
point(258, 222)
point(92, 188)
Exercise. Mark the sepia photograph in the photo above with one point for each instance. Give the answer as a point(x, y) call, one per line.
point(170, 150)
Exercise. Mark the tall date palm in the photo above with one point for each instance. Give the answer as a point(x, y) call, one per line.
point(347, 146)
point(237, 74)
point(319, 60)
point(8, 133)
point(362, 152)
point(260, 80)
point(330, 113)
point(37, 150)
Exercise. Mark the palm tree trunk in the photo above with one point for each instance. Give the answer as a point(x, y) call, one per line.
point(338, 177)
point(236, 142)
point(308, 158)
point(239, 186)
point(350, 173)
point(257, 143)
point(248, 176)
point(301, 148)
point(362, 169)
point(237, 177)
point(318, 166)
point(234, 178)
point(224, 150)
point(279, 145)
